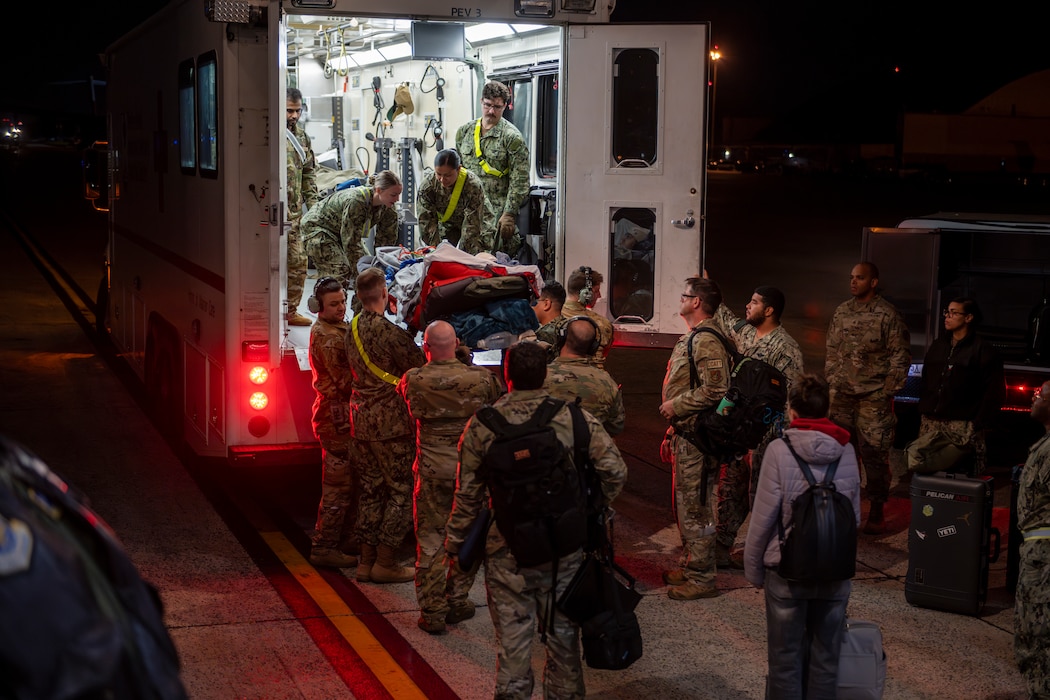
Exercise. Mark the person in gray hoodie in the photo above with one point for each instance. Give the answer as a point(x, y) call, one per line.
point(804, 621)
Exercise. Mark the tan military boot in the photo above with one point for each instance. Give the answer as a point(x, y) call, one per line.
point(387, 570)
point(692, 591)
point(460, 611)
point(331, 558)
point(366, 562)
point(431, 626)
point(674, 577)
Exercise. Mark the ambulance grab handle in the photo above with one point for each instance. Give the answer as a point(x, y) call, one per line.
point(687, 222)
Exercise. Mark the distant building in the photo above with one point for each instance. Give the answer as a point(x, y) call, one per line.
point(1006, 132)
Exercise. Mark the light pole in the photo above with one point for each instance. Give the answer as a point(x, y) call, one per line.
point(716, 56)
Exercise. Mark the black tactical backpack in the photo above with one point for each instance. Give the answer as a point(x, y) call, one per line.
point(752, 405)
point(821, 543)
point(538, 495)
point(78, 621)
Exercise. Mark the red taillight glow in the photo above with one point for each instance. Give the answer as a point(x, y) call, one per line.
point(258, 375)
point(259, 400)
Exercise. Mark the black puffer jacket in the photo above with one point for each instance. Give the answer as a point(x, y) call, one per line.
point(962, 383)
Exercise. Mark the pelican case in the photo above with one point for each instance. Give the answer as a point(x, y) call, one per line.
point(951, 542)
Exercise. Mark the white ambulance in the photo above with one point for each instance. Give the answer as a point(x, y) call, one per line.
point(615, 116)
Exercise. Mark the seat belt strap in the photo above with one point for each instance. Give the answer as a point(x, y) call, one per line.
point(296, 145)
point(454, 200)
point(382, 374)
point(1042, 533)
point(477, 152)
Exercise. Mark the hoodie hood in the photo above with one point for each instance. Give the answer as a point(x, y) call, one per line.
point(816, 446)
point(823, 425)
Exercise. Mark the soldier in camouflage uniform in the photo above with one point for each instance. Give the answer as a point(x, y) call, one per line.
point(495, 151)
point(459, 222)
point(333, 384)
point(548, 312)
point(334, 231)
point(758, 335)
point(379, 353)
point(695, 474)
point(583, 289)
point(962, 383)
point(1032, 599)
point(572, 375)
point(441, 396)
point(302, 189)
point(519, 598)
point(868, 356)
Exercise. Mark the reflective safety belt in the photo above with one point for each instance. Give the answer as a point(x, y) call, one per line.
point(1042, 533)
point(385, 376)
point(456, 191)
point(477, 152)
point(296, 145)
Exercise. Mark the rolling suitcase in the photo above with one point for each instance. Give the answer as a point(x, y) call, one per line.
point(951, 541)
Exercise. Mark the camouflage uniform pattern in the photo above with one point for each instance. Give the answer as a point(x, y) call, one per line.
point(464, 229)
point(302, 188)
point(340, 453)
point(600, 395)
point(382, 425)
point(960, 432)
point(518, 597)
point(738, 478)
point(549, 333)
point(1032, 598)
point(384, 511)
point(695, 474)
point(572, 308)
point(868, 356)
point(440, 587)
point(441, 396)
point(504, 149)
point(334, 231)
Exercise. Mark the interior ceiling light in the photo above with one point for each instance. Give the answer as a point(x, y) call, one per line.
point(484, 32)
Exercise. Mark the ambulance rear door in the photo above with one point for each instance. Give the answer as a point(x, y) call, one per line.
point(634, 162)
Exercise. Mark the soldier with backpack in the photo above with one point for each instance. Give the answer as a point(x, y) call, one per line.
point(521, 456)
point(697, 378)
point(761, 336)
point(805, 563)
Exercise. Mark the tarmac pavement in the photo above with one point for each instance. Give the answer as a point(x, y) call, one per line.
point(237, 638)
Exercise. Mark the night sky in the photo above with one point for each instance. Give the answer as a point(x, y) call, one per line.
point(836, 72)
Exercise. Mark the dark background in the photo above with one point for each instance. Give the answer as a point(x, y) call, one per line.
point(821, 71)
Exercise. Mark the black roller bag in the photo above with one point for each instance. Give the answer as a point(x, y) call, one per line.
point(951, 542)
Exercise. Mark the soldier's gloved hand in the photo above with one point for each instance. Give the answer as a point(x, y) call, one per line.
point(506, 226)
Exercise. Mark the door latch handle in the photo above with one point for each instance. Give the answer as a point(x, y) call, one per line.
point(687, 222)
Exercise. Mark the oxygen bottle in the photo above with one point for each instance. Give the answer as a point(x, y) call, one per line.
point(498, 341)
point(1038, 341)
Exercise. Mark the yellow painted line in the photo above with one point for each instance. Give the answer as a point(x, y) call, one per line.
point(355, 632)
